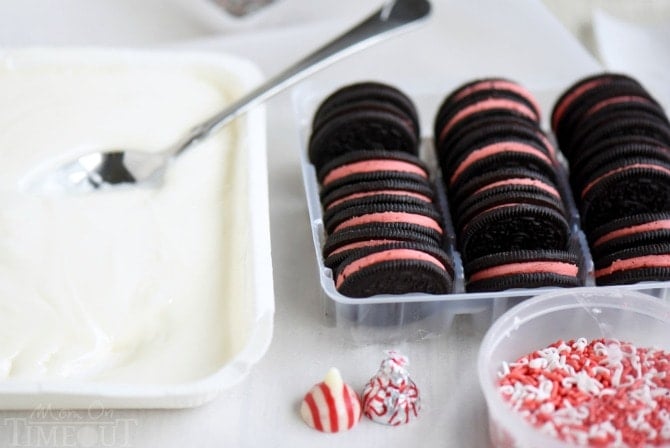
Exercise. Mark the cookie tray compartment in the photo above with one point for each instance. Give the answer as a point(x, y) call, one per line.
point(393, 318)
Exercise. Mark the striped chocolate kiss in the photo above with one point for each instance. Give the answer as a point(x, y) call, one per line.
point(331, 406)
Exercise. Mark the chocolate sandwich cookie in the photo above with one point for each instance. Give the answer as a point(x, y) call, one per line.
point(379, 233)
point(501, 104)
point(629, 232)
point(336, 257)
point(484, 96)
point(503, 193)
point(513, 226)
point(375, 204)
point(590, 179)
point(634, 188)
point(369, 92)
point(390, 185)
point(612, 103)
point(608, 101)
point(522, 269)
point(497, 177)
point(365, 178)
point(491, 85)
point(570, 106)
point(363, 105)
point(480, 129)
point(621, 125)
point(501, 156)
point(612, 149)
point(371, 161)
point(395, 269)
point(361, 130)
point(417, 214)
point(633, 265)
point(506, 146)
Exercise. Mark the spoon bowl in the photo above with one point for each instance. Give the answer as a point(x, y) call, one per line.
point(113, 168)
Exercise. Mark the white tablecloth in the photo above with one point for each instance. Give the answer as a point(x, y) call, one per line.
point(518, 39)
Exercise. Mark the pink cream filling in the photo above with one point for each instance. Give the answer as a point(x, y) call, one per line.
point(410, 218)
point(497, 84)
point(616, 100)
point(359, 244)
point(646, 261)
point(619, 170)
point(387, 255)
point(493, 149)
point(489, 104)
point(529, 267)
point(365, 194)
point(568, 99)
point(522, 181)
point(367, 166)
point(646, 227)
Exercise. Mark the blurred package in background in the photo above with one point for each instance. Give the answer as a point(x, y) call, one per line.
point(240, 8)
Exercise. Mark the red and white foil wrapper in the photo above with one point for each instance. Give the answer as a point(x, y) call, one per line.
point(391, 397)
point(331, 406)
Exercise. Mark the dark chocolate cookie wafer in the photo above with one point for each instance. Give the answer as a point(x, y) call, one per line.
point(391, 185)
point(336, 259)
point(629, 232)
point(334, 215)
point(514, 227)
point(497, 177)
point(638, 264)
point(607, 100)
point(491, 85)
point(523, 269)
point(631, 189)
point(483, 96)
point(481, 130)
point(390, 212)
point(500, 159)
point(625, 125)
point(503, 194)
point(369, 92)
point(393, 271)
point(361, 162)
point(361, 130)
point(378, 233)
point(612, 150)
point(573, 98)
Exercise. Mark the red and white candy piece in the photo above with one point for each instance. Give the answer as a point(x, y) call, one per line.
point(391, 397)
point(331, 406)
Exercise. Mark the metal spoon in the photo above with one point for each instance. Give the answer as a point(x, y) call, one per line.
point(115, 167)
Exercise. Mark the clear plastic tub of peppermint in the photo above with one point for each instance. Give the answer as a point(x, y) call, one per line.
point(581, 367)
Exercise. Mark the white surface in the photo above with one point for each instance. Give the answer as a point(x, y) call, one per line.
point(517, 39)
point(642, 51)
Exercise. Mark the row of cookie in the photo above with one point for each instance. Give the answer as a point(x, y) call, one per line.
point(384, 232)
point(512, 113)
point(617, 140)
point(502, 177)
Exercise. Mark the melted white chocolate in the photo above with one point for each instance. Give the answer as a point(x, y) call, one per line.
point(132, 285)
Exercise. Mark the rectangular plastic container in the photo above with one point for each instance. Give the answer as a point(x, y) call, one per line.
point(254, 309)
point(392, 318)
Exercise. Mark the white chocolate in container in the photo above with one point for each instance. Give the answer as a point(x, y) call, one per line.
point(135, 286)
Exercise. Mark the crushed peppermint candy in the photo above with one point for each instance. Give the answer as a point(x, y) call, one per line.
point(599, 393)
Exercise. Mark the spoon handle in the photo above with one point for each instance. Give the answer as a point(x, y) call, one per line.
point(394, 15)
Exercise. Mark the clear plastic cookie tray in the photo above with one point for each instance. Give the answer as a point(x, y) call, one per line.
point(385, 318)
